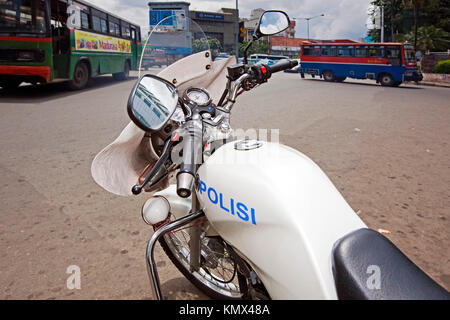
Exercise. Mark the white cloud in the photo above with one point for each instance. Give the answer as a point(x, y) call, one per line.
point(343, 18)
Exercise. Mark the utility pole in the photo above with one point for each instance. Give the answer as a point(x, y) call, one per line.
point(382, 22)
point(237, 30)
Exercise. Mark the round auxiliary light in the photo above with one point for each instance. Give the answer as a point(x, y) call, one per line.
point(155, 210)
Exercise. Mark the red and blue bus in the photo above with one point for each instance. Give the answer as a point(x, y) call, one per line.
point(389, 64)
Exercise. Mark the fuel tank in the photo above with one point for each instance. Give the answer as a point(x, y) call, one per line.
point(280, 211)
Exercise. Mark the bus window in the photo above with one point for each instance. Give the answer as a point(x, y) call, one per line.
point(114, 28)
point(23, 16)
point(329, 51)
point(85, 21)
point(125, 30)
point(393, 55)
point(410, 57)
point(326, 51)
point(133, 34)
point(345, 51)
point(104, 26)
point(311, 51)
point(376, 52)
point(361, 51)
point(99, 23)
point(96, 23)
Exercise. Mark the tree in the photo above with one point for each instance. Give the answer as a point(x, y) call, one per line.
point(202, 44)
point(429, 38)
point(260, 46)
point(405, 18)
point(416, 5)
point(392, 18)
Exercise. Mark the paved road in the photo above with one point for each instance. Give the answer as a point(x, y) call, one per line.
point(386, 149)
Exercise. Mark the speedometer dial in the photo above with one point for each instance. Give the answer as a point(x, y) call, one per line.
point(197, 96)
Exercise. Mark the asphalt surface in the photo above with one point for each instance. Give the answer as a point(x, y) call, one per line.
point(386, 149)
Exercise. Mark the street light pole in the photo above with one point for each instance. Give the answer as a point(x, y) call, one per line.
point(307, 20)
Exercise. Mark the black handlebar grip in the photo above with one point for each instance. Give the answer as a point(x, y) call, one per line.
point(283, 65)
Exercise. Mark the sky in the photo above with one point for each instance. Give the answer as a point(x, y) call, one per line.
point(344, 19)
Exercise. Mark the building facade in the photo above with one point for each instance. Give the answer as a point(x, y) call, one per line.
point(286, 46)
point(222, 25)
point(251, 23)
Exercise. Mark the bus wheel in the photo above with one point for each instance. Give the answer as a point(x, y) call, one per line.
point(386, 80)
point(328, 76)
point(121, 76)
point(80, 77)
point(340, 79)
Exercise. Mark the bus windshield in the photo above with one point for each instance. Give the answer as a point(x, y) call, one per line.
point(410, 57)
point(23, 16)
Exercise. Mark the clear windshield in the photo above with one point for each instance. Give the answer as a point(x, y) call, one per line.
point(23, 16)
point(170, 39)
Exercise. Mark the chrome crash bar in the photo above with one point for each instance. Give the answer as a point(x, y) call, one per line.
point(151, 263)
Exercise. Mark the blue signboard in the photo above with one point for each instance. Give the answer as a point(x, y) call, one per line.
point(210, 16)
point(156, 16)
point(369, 39)
point(168, 19)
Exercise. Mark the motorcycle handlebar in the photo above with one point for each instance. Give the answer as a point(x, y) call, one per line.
point(283, 65)
point(261, 73)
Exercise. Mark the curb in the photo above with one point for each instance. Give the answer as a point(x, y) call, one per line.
point(434, 84)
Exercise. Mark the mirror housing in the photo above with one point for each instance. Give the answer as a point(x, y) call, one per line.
point(152, 103)
point(272, 22)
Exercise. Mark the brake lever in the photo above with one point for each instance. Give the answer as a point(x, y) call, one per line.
point(174, 139)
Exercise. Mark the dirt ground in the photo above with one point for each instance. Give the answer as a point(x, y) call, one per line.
point(386, 149)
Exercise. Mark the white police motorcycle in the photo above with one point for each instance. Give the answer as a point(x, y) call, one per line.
point(246, 219)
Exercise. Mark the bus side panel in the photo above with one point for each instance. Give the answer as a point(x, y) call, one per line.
point(100, 63)
point(356, 71)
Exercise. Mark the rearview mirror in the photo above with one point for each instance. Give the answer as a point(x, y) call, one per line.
point(152, 103)
point(272, 22)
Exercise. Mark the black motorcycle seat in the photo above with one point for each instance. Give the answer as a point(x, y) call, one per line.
point(367, 266)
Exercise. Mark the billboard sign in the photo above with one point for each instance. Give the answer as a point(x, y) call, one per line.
point(168, 20)
point(87, 41)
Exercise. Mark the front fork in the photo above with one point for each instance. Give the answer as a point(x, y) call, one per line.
point(194, 239)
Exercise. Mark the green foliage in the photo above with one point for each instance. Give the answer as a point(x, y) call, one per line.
point(412, 20)
point(260, 46)
point(393, 10)
point(431, 38)
point(443, 67)
point(212, 44)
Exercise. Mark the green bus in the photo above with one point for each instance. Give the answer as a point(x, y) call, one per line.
point(43, 41)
